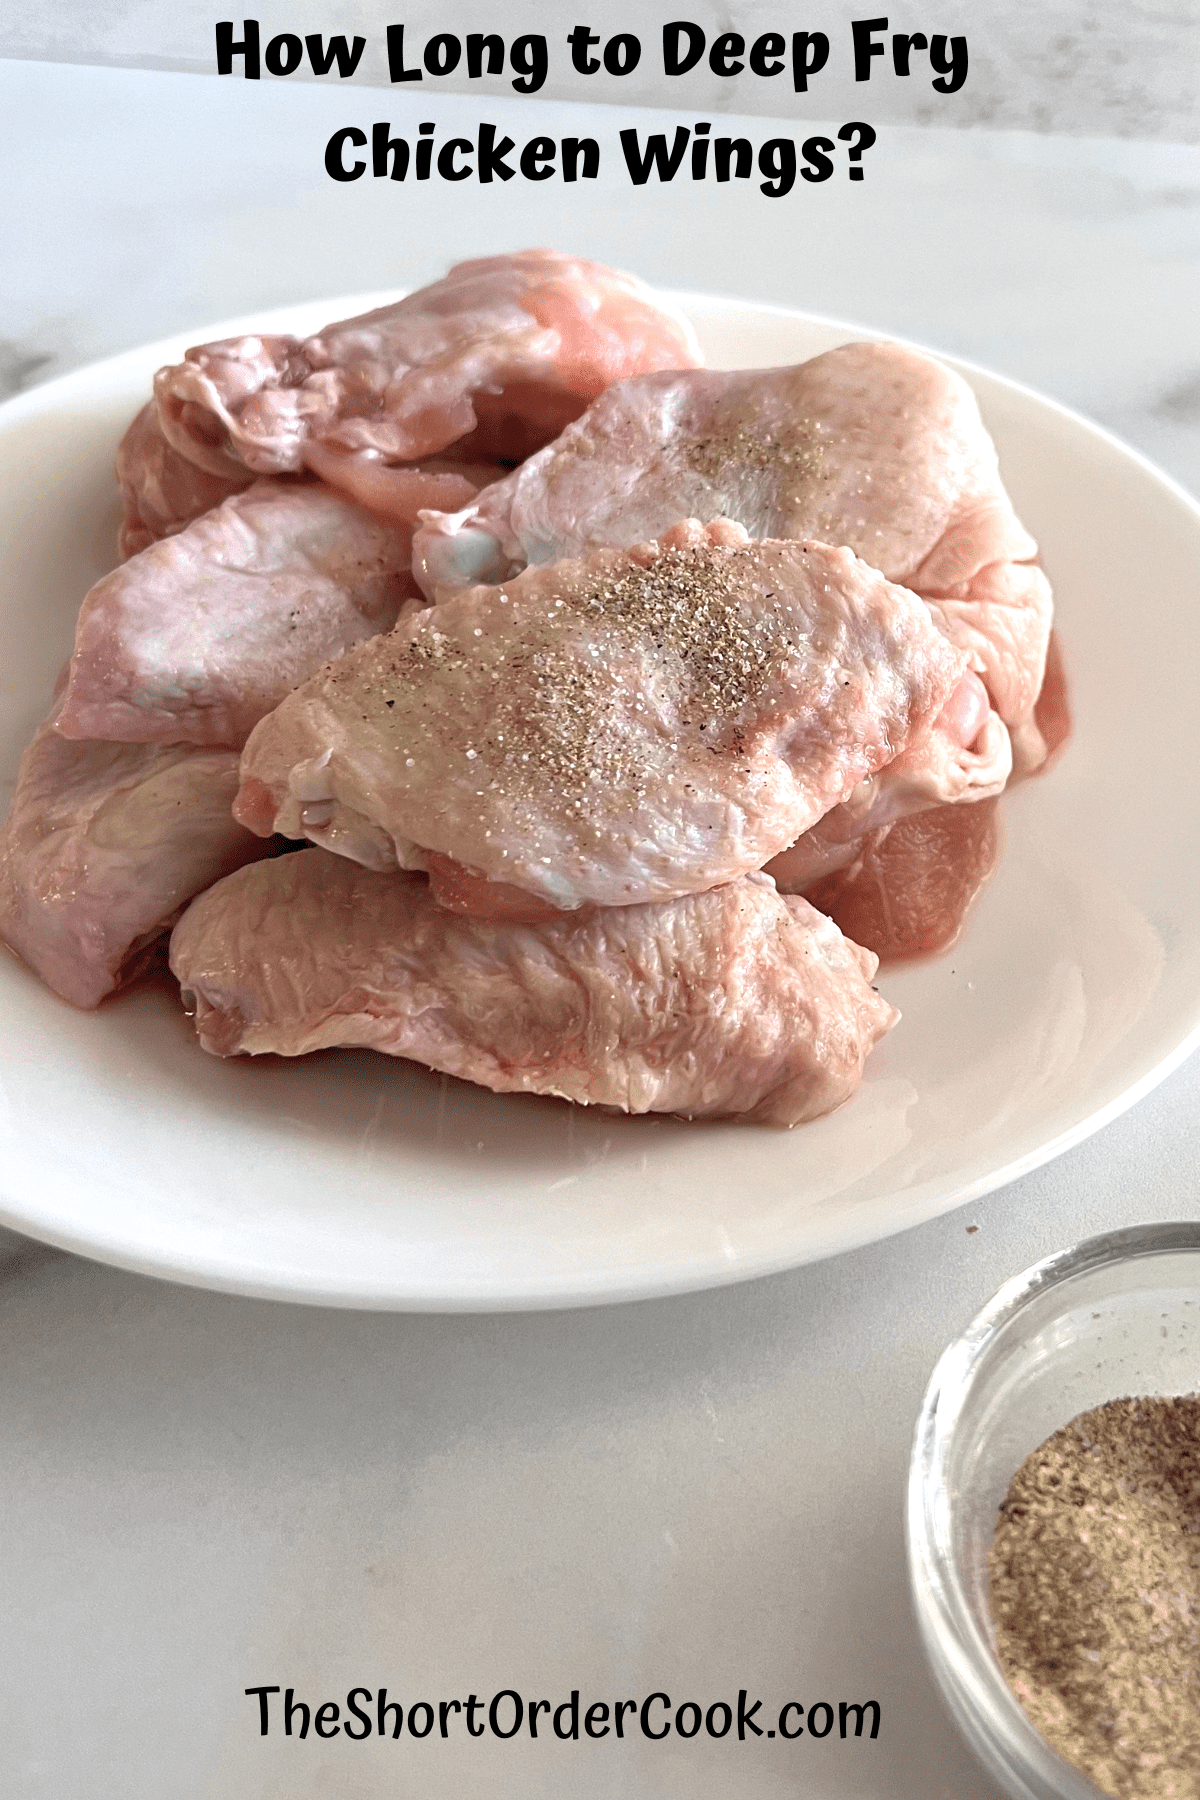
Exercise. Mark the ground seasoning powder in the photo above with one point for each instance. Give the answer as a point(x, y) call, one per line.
point(1095, 1591)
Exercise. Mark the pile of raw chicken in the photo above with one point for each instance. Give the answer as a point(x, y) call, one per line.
point(622, 713)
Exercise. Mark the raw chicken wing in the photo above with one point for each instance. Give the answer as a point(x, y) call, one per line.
point(733, 1001)
point(105, 843)
point(197, 637)
point(494, 359)
point(630, 727)
point(162, 490)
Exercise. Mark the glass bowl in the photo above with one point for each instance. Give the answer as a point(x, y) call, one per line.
point(1114, 1316)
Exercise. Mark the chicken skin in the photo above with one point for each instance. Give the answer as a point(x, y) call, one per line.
point(199, 636)
point(736, 1001)
point(103, 846)
point(494, 359)
point(630, 727)
point(161, 490)
point(871, 445)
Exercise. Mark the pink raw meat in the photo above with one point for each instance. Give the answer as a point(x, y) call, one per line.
point(964, 756)
point(734, 1001)
point(103, 846)
point(1040, 742)
point(398, 494)
point(494, 359)
point(197, 637)
point(908, 890)
point(871, 445)
point(162, 490)
point(1001, 617)
point(630, 727)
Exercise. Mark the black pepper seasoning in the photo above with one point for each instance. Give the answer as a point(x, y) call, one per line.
point(1095, 1592)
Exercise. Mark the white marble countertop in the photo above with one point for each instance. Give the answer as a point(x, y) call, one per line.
point(203, 1494)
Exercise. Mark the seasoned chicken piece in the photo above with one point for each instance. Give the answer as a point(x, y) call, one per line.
point(634, 726)
point(104, 845)
point(161, 489)
point(734, 1001)
point(196, 638)
point(870, 445)
point(494, 359)
point(908, 889)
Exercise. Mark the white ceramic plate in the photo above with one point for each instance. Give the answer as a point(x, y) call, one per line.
point(354, 1180)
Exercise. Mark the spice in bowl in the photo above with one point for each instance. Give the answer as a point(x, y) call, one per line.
point(1095, 1593)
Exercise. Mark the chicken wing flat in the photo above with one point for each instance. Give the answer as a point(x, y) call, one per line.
point(494, 359)
point(871, 445)
point(197, 637)
point(103, 846)
point(736, 1001)
point(629, 727)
